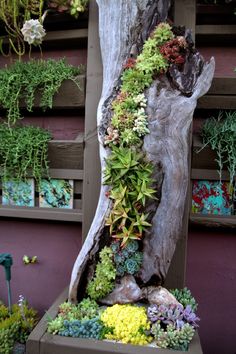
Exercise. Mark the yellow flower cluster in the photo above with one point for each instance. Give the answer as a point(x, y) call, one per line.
point(129, 324)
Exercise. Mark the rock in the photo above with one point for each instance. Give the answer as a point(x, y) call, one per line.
point(159, 296)
point(125, 292)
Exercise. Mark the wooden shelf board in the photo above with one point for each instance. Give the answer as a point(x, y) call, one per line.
point(66, 35)
point(212, 9)
point(217, 102)
point(68, 96)
point(223, 86)
point(213, 220)
point(215, 30)
point(199, 173)
point(66, 154)
point(74, 215)
point(66, 173)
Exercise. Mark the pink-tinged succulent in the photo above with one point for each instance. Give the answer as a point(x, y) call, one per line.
point(33, 32)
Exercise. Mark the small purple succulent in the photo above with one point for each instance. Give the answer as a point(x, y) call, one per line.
point(190, 316)
point(175, 315)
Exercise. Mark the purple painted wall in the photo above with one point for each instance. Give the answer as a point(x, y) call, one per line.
point(211, 276)
point(55, 244)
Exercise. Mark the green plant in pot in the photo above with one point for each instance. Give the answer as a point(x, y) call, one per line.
point(15, 326)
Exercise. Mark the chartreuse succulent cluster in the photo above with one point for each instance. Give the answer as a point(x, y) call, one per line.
point(104, 278)
point(15, 326)
point(129, 324)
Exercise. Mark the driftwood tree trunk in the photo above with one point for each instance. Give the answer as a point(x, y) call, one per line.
point(123, 26)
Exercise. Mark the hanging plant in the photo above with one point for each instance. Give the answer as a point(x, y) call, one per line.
point(220, 134)
point(23, 150)
point(22, 80)
point(14, 14)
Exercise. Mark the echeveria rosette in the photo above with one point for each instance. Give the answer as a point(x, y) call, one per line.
point(33, 32)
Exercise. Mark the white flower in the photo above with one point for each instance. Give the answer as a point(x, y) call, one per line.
point(33, 32)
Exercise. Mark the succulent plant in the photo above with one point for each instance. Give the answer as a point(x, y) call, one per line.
point(170, 337)
point(185, 297)
point(176, 315)
point(92, 328)
point(127, 259)
point(105, 274)
point(33, 32)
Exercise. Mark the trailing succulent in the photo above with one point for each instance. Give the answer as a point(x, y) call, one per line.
point(220, 134)
point(23, 149)
point(22, 80)
point(15, 326)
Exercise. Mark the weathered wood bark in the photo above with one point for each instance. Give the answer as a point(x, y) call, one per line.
point(123, 25)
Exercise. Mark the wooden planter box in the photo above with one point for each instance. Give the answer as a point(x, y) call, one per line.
point(41, 342)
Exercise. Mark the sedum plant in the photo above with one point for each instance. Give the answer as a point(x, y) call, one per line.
point(92, 328)
point(128, 323)
point(104, 278)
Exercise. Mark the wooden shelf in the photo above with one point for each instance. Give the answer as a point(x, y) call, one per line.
point(69, 96)
point(215, 30)
point(217, 102)
point(223, 86)
point(66, 154)
point(56, 214)
point(54, 36)
point(198, 173)
point(213, 220)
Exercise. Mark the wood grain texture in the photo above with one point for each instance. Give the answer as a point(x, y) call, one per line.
point(92, 173)
point(217, 102)
point(66, 154)
point(68, 96)
point(213, 220)
point(37, 213)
